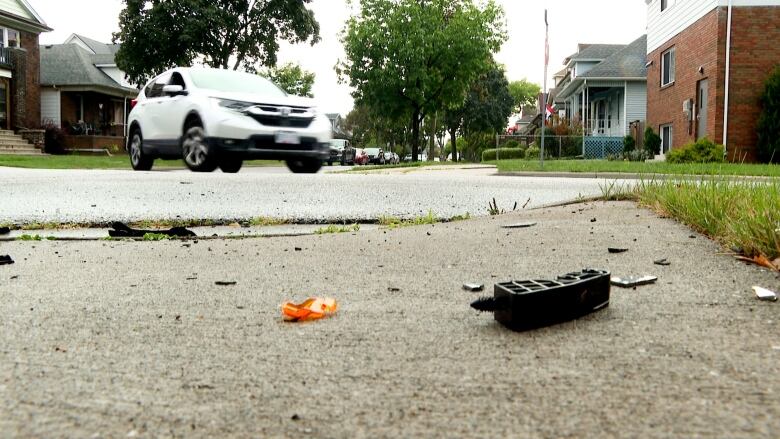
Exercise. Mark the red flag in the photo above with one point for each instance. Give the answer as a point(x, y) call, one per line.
point(550, 110)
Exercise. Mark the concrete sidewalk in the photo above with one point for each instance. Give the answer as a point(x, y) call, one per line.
point(133, 339)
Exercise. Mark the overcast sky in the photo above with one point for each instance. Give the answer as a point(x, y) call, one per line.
point(571, 22)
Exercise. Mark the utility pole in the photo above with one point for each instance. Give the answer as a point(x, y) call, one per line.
point(544, 87)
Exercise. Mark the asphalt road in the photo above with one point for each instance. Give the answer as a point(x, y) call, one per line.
point(133, 339)
point(82, 196)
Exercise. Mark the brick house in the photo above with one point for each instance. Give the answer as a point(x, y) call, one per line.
point(688, 95)
point(20, 101)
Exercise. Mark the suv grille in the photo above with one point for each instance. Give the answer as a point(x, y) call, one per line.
point(279, 116)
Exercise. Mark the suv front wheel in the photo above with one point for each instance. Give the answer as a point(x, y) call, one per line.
point(196, 152)
point(304, 166)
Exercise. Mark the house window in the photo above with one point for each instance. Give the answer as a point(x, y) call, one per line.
point(667, 67)
point(666, 138)
point(664, 5)
point(9, 38)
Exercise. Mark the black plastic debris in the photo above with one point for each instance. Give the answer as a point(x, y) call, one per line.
point(222, 283)
point(6, 260)
point(530, 304)
point(632, 281)
point(519, 225)
point(617, 250)
point(473, 287)
point(121, 230)
point(5, 230)
point(663, 262)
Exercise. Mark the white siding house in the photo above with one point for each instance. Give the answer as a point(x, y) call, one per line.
point(50, 107)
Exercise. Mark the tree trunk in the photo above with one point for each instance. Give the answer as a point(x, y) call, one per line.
point(433, 137)
point(454, 140)
point(415, 134)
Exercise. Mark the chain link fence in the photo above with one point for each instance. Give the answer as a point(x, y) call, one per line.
point(555, 147)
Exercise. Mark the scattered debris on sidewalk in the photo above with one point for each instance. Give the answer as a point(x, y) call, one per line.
point(121, 230)
point(764, 294)
point(617, 250)
point(530, 304)
point(5, 230)
point(473, 287)
point(519, 225)
point(762, 261)
point(663, 262)
point(394, 290)
point(6, 260)
point(223, 283)
point(313, 308)
point(633, 281)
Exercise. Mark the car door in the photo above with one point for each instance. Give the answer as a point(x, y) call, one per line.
point(172, 112)
point(151, 110)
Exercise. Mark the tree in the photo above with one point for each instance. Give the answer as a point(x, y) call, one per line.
point(292, 79)
point(769, 121)
point(160, 34)
point(486, 109)
point(409, 58)
point(524, 93)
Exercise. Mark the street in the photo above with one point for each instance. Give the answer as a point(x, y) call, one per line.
point(134, 339)
point(31, 195)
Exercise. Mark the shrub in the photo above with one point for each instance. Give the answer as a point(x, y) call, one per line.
point(652, 141)
point(702, 151)
point(637, 155)
point(54, 140)
point(511, 144)
point(629, 144)
point(533, 152)
point(503, 153)
point(769, 121)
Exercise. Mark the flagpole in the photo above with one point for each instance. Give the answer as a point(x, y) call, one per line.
point(544, 89)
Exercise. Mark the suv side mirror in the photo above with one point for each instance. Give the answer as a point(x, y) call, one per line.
point(174, 90)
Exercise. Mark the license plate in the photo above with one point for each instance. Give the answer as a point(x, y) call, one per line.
point(288, 138)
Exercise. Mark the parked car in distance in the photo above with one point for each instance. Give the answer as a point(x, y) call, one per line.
point(218, 118)
point(391, 158)
point(341, 151)
point(375, 156)
point(361, 158)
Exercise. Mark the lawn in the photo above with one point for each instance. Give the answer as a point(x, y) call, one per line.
point(97, 162)
point(596, 166)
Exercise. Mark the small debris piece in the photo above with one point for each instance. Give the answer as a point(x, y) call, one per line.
point(632, 281)
point(473, 287)
point(664, 262)
point(185, 182)
point(6, 260)
point(313, 308)
point(14, 277)
point(298, 249)
point(121, 230)
point(223, 283)
point(394, 290)
point(295, 417)
point(617, 250)
point(4, 230)
point(692, 236)
point(192, 278)
point(764, 294)
point(593, 220)
point(519, 225)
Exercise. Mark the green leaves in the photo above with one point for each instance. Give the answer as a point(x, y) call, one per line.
point(769, 121)
point(160, 34)
point(292, 79)
point(524, 93)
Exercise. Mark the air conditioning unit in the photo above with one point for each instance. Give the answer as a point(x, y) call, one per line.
point(688, 106)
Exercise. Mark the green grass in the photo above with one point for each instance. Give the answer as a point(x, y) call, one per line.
point(402, 165)
point(337, 229)
point(593, 166)
point(740, 215)
point(97, 162)
point(392, 222)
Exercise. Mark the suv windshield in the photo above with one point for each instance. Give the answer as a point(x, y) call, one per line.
point(230, 81)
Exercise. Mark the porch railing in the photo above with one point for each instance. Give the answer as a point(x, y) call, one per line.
point(605, 127)
point(5, 57)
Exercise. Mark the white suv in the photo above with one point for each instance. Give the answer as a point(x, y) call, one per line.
point(219, 118)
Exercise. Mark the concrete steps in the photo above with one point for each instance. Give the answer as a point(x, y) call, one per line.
point(13, 144)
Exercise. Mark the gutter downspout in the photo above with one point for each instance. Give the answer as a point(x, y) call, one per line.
point(728, 75)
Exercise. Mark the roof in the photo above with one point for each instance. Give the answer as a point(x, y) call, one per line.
point(596, 52)
point(23, 14)
point(628, 62)
point(70, 65)
point(97, 47)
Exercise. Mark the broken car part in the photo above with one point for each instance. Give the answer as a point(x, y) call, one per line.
point(617, 250)
point(313, 308)
point(5, 230)
point(529, 304)
point(633, 281)
point(121, 230)
point(518, 225)
point(473, 287)
point(5, 260)
point(664, 262)
point(764, 294)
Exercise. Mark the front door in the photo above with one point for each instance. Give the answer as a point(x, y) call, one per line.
point(701, 109)
point(4, 101)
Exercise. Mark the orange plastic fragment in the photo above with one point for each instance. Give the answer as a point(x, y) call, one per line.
point(312, 309)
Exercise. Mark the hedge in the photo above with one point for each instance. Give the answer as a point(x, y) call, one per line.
point(503, 153)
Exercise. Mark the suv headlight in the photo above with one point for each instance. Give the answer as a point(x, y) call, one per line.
point(232, 105)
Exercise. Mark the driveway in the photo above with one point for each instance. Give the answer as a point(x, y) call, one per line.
point(82, 196)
